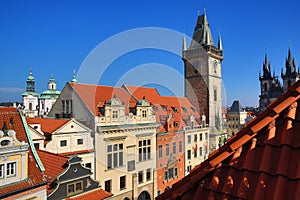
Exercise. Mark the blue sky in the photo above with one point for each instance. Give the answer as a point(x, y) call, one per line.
point(55, 37)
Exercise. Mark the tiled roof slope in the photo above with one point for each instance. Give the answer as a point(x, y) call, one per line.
point(260, 162)
point(35, 175)
point(94, 96)
point(97, 194)
point(164, 105)
point(48, 125)
point(53, 163)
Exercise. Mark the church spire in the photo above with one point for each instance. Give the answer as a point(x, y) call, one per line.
point(202, 33)
point(290, 64)
point(266, 68)
point(184, 47)
point(220, 45)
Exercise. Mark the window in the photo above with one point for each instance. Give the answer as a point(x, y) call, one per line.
point(79, 141)
point(114, 155)
point(215, 94)
point(144, 150)
point(122, 182)
point(144, 113)
point(140, 176)
point(167, 149)
point(63, 143)
point(189, 139)
point(2, 171)
point(166, 175)
point(195, 138)
point(74, 188)
point(148, 174)
point(175, 124)
point(200, 151)
point(160, 151)
point(107, 186)
point(171, 173)
point(200, 136)
point(175, 172)
point(30, 106)
point(189, 168)
point(265, 87)
point(189, 154)
point(67, 106)
point(88, 165)
point(115, 114)
point(174, 147)
point(180, 147)
point(195, 152)
point(206, 136)
point(63, 105)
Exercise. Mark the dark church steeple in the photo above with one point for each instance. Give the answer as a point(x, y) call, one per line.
point(291, 75)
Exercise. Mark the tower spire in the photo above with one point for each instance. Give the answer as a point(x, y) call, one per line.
point(220, 45)
point(74, 80)
point(184, 47)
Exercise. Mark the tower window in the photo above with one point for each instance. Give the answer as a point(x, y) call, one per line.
point(30, 106)
point(266, 86)
point(215, 94)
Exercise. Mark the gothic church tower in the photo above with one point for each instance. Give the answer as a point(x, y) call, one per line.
point(203, 74)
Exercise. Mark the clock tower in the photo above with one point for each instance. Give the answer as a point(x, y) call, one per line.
point(203, 74)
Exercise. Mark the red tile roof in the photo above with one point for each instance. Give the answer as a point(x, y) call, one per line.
point(261, 162)
point(165, 105)
point(94, 95)
point(53, 163)
point(97, 194)
point(35, 176)
point(48, 125)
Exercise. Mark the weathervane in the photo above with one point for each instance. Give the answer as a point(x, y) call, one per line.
point(204, 11)
point(198, 12)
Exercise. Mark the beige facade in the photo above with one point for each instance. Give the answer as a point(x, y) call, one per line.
point(125, 147)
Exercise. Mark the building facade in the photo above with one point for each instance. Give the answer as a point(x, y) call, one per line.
point(236, 118)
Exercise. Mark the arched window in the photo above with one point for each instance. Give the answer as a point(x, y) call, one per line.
point(265, 87)
point(215, 95)
point(30, 106)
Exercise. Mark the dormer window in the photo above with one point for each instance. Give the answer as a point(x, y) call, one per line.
point(175, 110)
point(114, 114)
point(144, 113)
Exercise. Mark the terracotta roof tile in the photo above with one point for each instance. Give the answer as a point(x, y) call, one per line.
point(48, 125)
point(260, 162)
point(53, 163)
point(13, 120)
point(97, 194)
point(101, 95)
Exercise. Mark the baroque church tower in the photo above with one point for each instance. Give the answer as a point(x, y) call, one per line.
point(203, 74)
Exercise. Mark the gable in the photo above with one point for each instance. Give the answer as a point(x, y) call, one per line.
point(73, 126)
point(35, 135)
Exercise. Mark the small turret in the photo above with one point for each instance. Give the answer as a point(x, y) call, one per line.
point(74, 80)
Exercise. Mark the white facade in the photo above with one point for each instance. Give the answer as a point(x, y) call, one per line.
point(125, 148)
point(31, 103)
point(72, 138)
point(196, 146)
